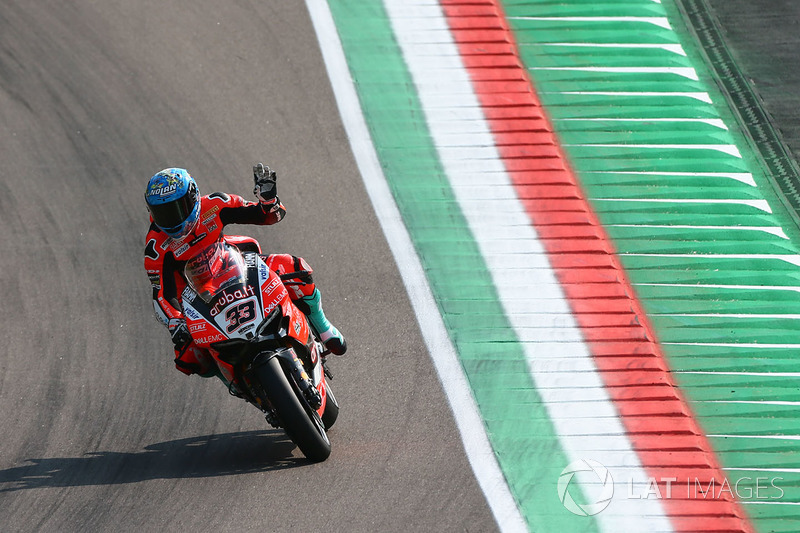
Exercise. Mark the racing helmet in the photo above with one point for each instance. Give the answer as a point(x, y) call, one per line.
point(173, 201)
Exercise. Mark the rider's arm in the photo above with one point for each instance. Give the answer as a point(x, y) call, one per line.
point(237, 210)
point(161, 268)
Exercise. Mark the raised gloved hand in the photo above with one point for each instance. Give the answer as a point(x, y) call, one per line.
point(266, 188)
point(179, 331)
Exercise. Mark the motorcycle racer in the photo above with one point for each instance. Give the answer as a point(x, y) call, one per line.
point(183, 223)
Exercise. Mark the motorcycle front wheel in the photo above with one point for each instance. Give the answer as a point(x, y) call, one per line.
point(331, 412)
point(301, 422)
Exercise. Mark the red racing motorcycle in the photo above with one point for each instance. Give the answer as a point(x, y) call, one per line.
point(265, 347)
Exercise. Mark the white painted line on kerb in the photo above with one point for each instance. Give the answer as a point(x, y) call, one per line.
point(766, 502)
point(792, 375)
point(792, 259)
point(729, 149)
point(674, 48)
point(727, 316)
point(772, 230)
point(756, 469)
point(789, 288)
point(470, 425)
point(761, 205)
point(743, 177)
point(702, 97)
point(661, 22)
point(716, 122)
point(558, 360)
point(770, 437)
point(784, 403)
point(748, 345)
point(684, 72)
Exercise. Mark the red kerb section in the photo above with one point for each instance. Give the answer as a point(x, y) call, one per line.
point(657, 418)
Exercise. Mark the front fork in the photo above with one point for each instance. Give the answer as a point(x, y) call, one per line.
point(292, 362)
point(301, 377)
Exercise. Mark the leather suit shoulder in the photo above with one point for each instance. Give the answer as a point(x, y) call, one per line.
point(222, 199)
point(156, 244)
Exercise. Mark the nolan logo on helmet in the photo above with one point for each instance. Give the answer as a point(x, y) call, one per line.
point(163, 190)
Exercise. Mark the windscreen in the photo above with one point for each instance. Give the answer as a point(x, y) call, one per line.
point(216, 267)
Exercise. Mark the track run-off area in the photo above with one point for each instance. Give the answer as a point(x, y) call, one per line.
point(615, 277)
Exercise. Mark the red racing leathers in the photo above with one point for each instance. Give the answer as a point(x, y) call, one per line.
point(164, 259)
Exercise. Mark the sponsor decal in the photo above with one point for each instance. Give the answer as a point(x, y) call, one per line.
point(262, 271)
point(271, 286)
point(209, 213)
point(210, 338)
point(198, 239)
point(191, 313)
point(174, 243)
point(161, 318)
point(228, 297)
point(210, 224)
point(155, 281)
point(250, 260)
point(238, 315)
point(180, 246)
point(165, 185)
point(164, 190)
point(273, 304)
point(188, 294)
point(195, 328)
point(297, 327)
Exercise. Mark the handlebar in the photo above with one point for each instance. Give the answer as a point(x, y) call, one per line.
point(303, 277)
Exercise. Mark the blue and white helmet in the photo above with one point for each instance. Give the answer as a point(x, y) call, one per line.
point(173, 201)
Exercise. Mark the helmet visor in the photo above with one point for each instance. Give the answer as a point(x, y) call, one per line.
point(171, 215)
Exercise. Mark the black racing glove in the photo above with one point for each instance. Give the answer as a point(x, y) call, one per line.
point(179, 331)
point(266, 188)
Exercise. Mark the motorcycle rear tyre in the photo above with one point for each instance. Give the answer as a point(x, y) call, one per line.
point(300, 421)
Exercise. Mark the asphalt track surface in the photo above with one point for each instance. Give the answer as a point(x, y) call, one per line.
point(98, 432)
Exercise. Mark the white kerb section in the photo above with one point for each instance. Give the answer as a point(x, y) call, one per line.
point(560, 363)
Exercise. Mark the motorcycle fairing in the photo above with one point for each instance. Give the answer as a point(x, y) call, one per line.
point(238, 310)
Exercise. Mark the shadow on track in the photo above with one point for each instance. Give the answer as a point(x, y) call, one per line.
point(208, 456)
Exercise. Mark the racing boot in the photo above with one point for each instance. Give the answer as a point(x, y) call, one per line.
point(330, 336)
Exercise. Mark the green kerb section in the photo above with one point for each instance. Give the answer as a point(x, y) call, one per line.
point(516, 420)
point(709, 246)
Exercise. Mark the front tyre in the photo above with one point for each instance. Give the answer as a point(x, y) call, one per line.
point(301, 422)
point(331, 412)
